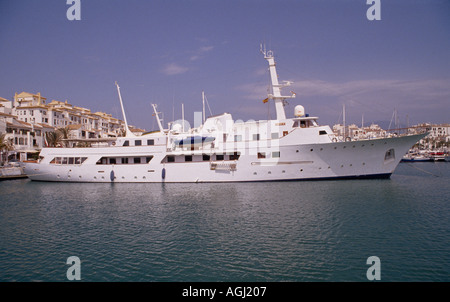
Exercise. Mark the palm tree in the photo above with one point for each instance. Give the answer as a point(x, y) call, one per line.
point(65, 134)
point(5, 145)
point(54, 138)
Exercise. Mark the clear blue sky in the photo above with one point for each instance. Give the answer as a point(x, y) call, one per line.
point(167, 52)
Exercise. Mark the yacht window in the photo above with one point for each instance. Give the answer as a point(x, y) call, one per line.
point(148, 159)
point(124, 160)
point(238, 138)
point(70, 160)
point(138, 142)
point(150, 142)
point(234, 156)
point(188, 158)
point(275, 154)
point(261, 155)
point(322, 132)
point(170, 159)
point(126, 143)
point(112, 161)
point(206, 157)
point(137, 160)
point(256, 137)
point(219, 157)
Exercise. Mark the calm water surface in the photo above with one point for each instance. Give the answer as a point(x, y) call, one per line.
point(277, 231)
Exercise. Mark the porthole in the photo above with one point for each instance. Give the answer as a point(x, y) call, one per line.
point(254, 173)
point(301, 170)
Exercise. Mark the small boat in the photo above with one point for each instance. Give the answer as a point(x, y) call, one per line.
point(11, 171)
point(437, 156)
point(415, 158)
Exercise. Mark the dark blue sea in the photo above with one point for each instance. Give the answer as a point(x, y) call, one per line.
point(231, 232)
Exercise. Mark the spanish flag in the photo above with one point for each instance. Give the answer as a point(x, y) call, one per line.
point(265, 100)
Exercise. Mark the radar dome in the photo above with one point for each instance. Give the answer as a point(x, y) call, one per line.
point(299, 111)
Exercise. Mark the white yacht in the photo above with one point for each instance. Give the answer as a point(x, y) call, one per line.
point(224, 150)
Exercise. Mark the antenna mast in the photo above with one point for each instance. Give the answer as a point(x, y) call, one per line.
point(276, 86)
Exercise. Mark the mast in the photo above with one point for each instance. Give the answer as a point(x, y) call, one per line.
point(276, 86)
point(203, 101)
point(158, 119)
point(182, 114)
point(128, 132)
point(343, 118)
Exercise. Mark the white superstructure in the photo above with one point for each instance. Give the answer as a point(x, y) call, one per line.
point(222, 150)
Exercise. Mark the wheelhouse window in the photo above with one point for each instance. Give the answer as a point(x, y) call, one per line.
point(150, 142)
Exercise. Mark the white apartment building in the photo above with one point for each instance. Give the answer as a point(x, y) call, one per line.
point(29, 116)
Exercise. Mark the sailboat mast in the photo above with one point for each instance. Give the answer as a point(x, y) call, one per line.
point(203, 101)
